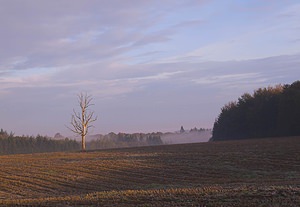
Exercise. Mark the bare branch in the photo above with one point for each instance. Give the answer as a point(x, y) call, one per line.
point(77, 115)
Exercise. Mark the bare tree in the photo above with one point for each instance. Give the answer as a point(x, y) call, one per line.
point(81, 121)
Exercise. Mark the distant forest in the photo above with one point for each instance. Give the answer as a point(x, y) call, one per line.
point(268, 112)
point(121, 140)
point(10, 144)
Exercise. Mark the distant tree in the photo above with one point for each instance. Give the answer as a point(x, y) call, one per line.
point(182, 129)
point(81, 121)
point(154, 139)
point(58, 136)
point(194, 129)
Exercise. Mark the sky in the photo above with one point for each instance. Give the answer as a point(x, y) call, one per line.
point(149, 65)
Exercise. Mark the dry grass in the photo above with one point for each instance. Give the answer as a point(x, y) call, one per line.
point(262, 172)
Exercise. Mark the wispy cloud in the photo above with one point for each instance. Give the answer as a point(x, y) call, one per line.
point(227, 78)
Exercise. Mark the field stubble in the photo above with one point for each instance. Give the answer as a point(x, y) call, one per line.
point(264, 172)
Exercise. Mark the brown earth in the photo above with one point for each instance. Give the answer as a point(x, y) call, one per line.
point(260, 172)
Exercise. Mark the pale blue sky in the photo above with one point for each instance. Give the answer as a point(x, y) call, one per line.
point(150, 65)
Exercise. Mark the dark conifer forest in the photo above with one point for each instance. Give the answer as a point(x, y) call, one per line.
point(268, 112)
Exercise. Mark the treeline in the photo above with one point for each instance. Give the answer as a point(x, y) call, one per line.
point(121, 140)
point(10, 144)
point(268, 112)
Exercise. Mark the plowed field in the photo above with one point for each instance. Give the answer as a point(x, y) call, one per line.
point(263, 172)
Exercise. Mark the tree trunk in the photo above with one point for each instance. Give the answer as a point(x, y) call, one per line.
point(83, 135)
point(83, 143)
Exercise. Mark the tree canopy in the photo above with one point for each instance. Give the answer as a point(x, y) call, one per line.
point(268, 112)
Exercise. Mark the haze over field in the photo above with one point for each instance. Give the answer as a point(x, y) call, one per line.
point(150, 65)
